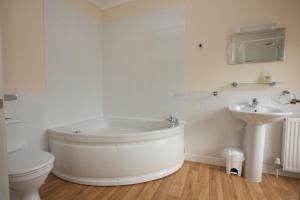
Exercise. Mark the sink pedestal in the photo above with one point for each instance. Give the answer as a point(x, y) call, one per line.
point(256, 118)
point(254, 144)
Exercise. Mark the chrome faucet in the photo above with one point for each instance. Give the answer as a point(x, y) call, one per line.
point(254, 103)
point(173, 121)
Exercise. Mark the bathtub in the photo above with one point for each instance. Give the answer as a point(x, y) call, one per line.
point(116, 151)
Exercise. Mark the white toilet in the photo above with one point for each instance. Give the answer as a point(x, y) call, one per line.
point(27, 169)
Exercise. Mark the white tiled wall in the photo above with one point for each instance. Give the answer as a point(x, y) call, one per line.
point(30, 108)
point(73, 63)
point(143, 64)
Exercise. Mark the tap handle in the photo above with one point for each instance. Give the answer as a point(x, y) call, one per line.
point(171, 118)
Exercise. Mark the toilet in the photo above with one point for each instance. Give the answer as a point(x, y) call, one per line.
point(27, 169)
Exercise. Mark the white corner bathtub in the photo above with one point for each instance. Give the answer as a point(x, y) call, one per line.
point(116, 151)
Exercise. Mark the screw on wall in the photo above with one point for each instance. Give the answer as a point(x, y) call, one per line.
point(215, 93)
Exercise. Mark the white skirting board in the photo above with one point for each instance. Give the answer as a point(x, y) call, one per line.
point(219, 161)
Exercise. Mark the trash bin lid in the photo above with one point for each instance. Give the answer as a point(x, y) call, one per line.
point(233, 153)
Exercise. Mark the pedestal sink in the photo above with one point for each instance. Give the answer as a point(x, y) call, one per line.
point(256, 118)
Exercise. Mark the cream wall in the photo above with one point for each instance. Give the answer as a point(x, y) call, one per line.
point(23, 41)
point(23, 45)
point(211, 22)
point(208, 22)
point(4, 184)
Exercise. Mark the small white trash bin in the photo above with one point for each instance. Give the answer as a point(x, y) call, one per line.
point(234, 160)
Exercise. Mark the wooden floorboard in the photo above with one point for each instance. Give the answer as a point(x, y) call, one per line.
point(193, 181)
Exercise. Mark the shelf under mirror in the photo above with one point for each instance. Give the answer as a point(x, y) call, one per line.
point(236, 84)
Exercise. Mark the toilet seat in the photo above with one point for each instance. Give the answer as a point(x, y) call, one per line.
point(26, 164)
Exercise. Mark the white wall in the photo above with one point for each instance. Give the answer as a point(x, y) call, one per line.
point(73, 63)
point(30, 108)
point(211, 127)
point(143, 63)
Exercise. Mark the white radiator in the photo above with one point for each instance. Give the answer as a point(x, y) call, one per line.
point(291, 145)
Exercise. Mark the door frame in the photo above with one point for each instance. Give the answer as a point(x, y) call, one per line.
point(4, 183)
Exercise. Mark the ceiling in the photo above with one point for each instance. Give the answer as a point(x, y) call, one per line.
point(105, 4)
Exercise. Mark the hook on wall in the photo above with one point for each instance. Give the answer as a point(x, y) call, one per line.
point(200, 45)
point(215, 93)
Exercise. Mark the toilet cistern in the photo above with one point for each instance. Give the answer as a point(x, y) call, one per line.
point(256, 117)
point(27, 169)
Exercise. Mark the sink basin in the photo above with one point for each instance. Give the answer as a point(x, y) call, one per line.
point(254, 139)
point(258, 115)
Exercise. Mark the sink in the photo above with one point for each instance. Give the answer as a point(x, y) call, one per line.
point(258, 115)
point(256, 118)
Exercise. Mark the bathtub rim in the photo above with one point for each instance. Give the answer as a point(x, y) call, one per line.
point(99, 117)
point(67, 136)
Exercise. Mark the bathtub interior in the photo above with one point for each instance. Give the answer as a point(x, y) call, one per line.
point(112, 125)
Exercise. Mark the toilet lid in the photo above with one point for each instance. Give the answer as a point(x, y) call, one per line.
point(26, 161)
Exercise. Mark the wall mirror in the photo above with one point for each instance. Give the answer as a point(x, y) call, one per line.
point(256, 46)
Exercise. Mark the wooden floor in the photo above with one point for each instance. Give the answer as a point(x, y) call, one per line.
point(192, 181)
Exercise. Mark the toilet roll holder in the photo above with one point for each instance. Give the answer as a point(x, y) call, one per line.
point(8, 97)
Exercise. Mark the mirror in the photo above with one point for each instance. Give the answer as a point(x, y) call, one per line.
point(255, 47)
